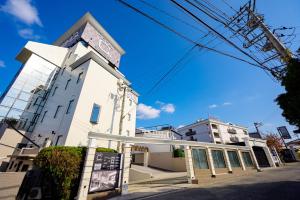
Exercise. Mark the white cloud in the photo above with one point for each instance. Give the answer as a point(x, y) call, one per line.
point(147, 112)
point(227, 104)
point(180, 126)
point(28, 34)
point(2, 64)
point(22, 10)
point(168, 108)
point(213, 106)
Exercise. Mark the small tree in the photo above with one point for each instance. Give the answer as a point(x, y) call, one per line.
point(289, 101)
point(275, 141)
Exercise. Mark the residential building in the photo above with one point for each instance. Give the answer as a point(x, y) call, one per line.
point(65, 90)
point(218, 132)
point(164, 132)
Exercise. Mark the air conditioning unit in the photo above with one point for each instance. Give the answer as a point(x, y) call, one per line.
point(35, 193)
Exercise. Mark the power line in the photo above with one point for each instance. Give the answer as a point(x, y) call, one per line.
point(220, 35)
point(185, 37)
point(172, 16)
point(171, 69)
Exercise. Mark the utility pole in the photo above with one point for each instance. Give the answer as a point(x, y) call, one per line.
point(280, 48)
point(256, 125)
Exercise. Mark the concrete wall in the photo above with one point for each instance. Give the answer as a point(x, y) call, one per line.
point(10, 138)
point(165, 160)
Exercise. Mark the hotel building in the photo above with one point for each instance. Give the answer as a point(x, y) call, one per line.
point(69, 88)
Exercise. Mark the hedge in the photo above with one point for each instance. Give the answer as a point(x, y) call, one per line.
point(64, 165)
point(178, 153)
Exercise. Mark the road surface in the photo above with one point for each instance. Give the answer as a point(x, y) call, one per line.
point(273, 184)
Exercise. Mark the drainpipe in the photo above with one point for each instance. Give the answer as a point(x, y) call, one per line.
point(122, 117)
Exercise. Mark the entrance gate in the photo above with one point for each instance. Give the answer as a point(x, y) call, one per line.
point(128, 142)
point(261, 156)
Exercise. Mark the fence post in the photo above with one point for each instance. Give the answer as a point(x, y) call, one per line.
point(87, 170)
point(189, 164)
point(126, 166)
point(210, 162)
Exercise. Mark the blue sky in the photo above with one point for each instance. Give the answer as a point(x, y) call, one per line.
point(207, 84)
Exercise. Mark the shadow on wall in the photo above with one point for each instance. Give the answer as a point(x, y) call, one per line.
point(283, 190)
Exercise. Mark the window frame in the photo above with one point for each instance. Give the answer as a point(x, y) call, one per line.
point(57, 111)
point(67, 84)
point(45, 112)
point(95, 106)
point(79, 77)
point(54, 91)
point(71, 102)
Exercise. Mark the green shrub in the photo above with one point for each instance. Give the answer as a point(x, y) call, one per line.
point(178, 153)
point(101, 149)
point(63, 165)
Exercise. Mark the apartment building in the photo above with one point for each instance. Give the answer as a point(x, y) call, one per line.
point(161, 132)
point(72, 87)
point(215, 131)
point(218, 132)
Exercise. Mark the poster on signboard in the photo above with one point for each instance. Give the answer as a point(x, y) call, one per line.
point(105, 173)
point(104, 180)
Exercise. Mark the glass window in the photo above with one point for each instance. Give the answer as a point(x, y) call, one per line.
point(218, 158)
point(216, 135)
point(54, 91)
point(7, 101)
point(130, 102)
point(79, 77)
point(214, 126)
point(233, 159)
point(68, 81)
point(20, 104)
point(24, 96)
point(200, 158)
point(247, 159)
point(70, 106)
point(57, 111)
point(44, 116)
point(95, 114)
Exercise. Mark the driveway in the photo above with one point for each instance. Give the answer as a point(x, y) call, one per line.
point(274, 184)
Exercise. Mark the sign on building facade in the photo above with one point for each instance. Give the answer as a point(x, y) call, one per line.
point(97, 41)
point(106, 172)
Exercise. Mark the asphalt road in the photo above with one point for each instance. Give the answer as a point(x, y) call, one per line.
point(274, 184)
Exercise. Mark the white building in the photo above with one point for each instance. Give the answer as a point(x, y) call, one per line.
point(166, 133)
point(72, 87)
point(215, 131)
point(218, 132)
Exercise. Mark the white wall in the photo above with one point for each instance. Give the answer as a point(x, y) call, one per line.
point(100, 87)
point(202, 132)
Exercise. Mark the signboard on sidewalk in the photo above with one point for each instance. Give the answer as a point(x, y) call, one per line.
point(106, 171)
point(284, 132)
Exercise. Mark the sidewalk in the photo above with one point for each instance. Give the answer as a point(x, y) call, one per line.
point(147, 190)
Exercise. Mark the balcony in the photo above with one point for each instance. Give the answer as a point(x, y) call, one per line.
point(231, 131)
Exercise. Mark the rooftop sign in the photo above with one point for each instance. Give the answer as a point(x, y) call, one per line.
point(96, 40)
